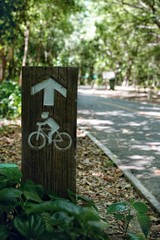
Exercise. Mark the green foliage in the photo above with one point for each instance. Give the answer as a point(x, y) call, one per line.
point(96, 36)
point(131, 236)
point(127, 211)
point(9, 175)
point(11, 15)
point(10, 100)
point(28, 211)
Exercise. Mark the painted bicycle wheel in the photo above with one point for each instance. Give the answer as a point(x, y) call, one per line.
point(63, 141)
point(36, 140)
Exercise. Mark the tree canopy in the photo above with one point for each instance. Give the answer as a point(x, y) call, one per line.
point(97, 36)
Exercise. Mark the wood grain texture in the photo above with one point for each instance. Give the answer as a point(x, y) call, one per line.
point(55, 169)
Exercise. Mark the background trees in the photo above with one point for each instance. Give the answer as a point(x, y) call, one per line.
point(12, 16)
point(30, 32)
point(96, 36)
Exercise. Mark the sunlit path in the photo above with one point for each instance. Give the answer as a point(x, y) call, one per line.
point(129, 129)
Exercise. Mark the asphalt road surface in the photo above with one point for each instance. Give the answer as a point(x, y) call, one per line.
point(131, 130)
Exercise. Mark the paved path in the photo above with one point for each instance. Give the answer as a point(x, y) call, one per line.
point(131, 130)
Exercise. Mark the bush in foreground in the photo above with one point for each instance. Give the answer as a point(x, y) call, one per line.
point(28, 211)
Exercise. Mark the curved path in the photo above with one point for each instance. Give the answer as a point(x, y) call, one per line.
point(131, 130)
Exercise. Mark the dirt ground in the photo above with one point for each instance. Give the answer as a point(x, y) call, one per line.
point(97, 177)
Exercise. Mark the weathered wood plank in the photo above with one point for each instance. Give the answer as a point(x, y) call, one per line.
point(54, 168)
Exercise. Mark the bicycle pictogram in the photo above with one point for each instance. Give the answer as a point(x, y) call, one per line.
point(38, 139)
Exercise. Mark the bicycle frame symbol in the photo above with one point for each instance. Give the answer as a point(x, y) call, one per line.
point(37, 139)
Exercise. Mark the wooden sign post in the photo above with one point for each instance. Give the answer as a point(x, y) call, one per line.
point(49, 113)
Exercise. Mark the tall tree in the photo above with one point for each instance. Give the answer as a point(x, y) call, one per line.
point(125, 37)
point(12, 14)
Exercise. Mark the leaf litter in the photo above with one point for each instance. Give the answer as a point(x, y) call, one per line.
point(97, 176)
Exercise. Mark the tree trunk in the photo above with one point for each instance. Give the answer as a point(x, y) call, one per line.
point(128, 73)
point(130, 65)
point(11, 62)
point(26, 42)
point(3, 64)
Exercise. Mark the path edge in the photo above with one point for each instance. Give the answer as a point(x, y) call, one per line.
point(142, 190)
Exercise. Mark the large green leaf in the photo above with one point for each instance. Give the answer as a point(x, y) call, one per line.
point(119, 216)
point(47, 221)
point(117, 207)
point(101, 225)
point(9, 195)
point(53, 206)
point(60, 218)
point(4, 232)
point(8, 165)
point(39, 208)
point(30, 186)
point(9, 175)
point(145, 223)
point(140, 207)
point(31, 227)
point(131, 236)
point(34, 227)
point(33, 196)
point(89, 214)
point(9, 199)
point(32, 192)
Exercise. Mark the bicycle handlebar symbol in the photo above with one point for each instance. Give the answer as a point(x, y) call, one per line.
point(37, 139)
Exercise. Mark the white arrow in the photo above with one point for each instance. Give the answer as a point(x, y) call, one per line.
point(49, 86)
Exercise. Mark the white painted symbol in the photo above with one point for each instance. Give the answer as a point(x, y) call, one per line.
point(37, 139)
point(49, 86)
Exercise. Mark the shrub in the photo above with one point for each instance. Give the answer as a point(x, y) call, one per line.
point(10, 100)
point(28, 211)
point(126, 212)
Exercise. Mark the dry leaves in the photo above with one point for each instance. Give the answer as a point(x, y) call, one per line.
point(10, 144)
point(97, 177)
